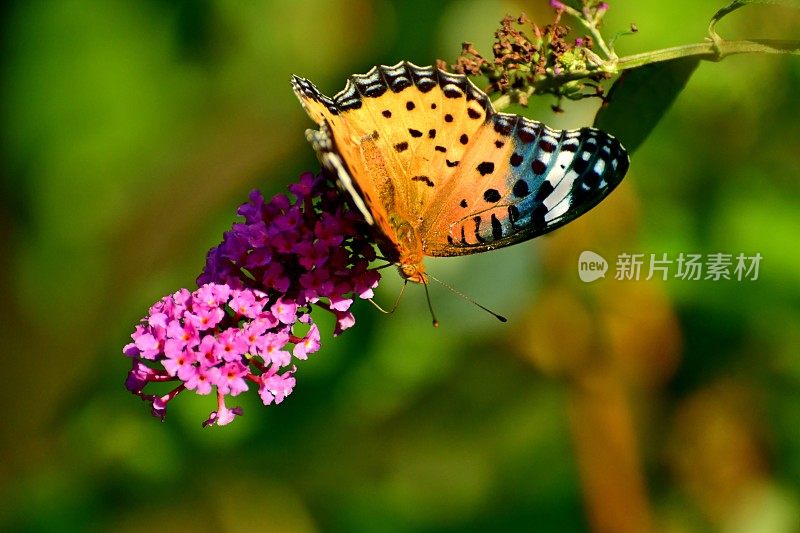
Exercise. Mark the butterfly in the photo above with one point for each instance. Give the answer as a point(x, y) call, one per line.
point(430, 163)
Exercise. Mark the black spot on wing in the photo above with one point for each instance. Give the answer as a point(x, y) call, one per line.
point(397, 77)
point(451, 91)
point(414, 133)
point(592, 179)
point(528, 130)
point(424, 77)
point(545, 189)
point(478, 237)
point(487, 167)
point(401, 146)
point(491, 195)
point(497, 228)
point(525, 136)
point(580, 165)
point(452, 83)
point(521, 189)
point(513, 214)
point(537, 217)
point(504, 124)
point(546, 146)
point(516, 159)
point(424, 179)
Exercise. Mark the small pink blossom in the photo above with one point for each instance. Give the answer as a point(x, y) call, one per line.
point(285, 311)
point(231, 379)
point(213, 295)
point(253, 335)
point(202, 379)
point(231, 346)
point(222, 416)
point(205, 318)
point(207, 352)
point(273, 349)
point(344, 320)
point(131, 350)
point(147, 345)
point(308, 344)
point(275, 387)
point(181, 364)
point(139, 376)
point(180, 299)
point(338, 303)
point(158, 320)
point(244, 303)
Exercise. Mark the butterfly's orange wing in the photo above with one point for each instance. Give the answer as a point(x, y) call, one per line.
point(428, 152)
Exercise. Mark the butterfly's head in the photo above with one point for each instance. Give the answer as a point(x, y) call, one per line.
point(413, 271)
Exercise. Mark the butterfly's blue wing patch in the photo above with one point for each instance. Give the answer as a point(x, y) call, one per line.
point(552, 177)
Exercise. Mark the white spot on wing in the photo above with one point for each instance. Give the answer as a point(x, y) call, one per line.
point(557, 172)
point(560, 192)
point(599, 166)
point(557, 211)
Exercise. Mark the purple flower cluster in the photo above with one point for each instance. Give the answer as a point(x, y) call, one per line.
point(255, 299)
point(313, 250)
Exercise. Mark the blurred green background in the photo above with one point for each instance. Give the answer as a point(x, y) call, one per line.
point(132, 129)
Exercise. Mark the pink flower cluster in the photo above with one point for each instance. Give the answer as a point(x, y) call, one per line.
point(218, 337)
point(256, 295)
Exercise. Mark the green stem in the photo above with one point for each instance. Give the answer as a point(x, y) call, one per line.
point(709, 50)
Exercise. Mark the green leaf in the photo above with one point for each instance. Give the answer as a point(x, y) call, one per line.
point(736, 4)
point(640, 97)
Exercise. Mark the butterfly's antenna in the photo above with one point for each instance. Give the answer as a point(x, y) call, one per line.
point(396, 302)
point(430, 307)
point(499, 317)
point(387, 265)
